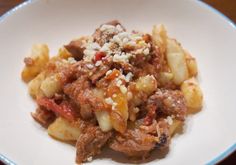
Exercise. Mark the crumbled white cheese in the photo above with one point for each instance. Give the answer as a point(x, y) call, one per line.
point(122, 77)
point(108, 72)
point(105, 47)
point(94, 46)
point(106, 27)
point(121, 57)
point(89, 159)
point(114, 95)
point(98, 63)
point(89, 54)
point(139, 51)
point(118, 83)
point(146, 51)
point(90, 66)
point(114, 106)
point(123, 89)
point(169, 120)
point(109, 100)
point(71, 60)
point(114, 47)
point(125, 40)
point(119, 28)
point(128, 77)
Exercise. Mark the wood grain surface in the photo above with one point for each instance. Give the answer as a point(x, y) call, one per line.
point(227, 7)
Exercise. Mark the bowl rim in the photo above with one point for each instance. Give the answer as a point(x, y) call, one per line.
point(215, 160)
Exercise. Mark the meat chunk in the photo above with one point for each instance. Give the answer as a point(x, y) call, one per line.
point(168, 102)
point(80, 91)
point(76, 48)
point(126, 67)
point(43, 116)
point(133, 143)
point(163, 134)
point(99, 73)
point(90, 143)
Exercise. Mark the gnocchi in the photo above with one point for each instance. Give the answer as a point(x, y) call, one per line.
point(63, 130)
point(176, 61)
point(159, 37)
point(34, 85)
point(192, 94)
point(50, 85)
point(191, 64)
point(38, 59)
point(147, 84)
point(104, 120)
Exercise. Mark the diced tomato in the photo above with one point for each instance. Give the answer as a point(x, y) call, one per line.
point(99, 55)
point(115, 73)
point(64, 109)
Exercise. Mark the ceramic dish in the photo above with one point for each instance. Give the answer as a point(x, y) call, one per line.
point(209, 136)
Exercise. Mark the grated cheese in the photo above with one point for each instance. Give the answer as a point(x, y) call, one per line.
point(89, 55)
point(128, 77)
point(169, 120)
point(146, 51)
point(71, 60)
point(90, 66)
point(89, 159)
point(115, 46)
point(109, 100)
point(118, 83)
point(108, 72)
point(123, 89)
point(98, 63)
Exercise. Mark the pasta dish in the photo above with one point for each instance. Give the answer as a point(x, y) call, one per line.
point(127, 90)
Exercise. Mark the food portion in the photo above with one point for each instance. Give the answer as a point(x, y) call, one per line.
point(129, 91)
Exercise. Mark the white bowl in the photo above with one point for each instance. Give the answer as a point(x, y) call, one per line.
point(208, 137)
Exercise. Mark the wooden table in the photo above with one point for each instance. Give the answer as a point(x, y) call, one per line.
point(227, 7)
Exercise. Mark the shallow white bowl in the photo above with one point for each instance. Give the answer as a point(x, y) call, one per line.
point(208, 137)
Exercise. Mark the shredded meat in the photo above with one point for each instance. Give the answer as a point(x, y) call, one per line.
point(99, 73)
point(76, 49)
point(80, 91)
point(169, 102)
point(90, 143)
point(86, 111)
point(126, 67)
point(43, 117)
point(163, 134)
point(134, 143)
point(65, 108)
point(157, 59)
